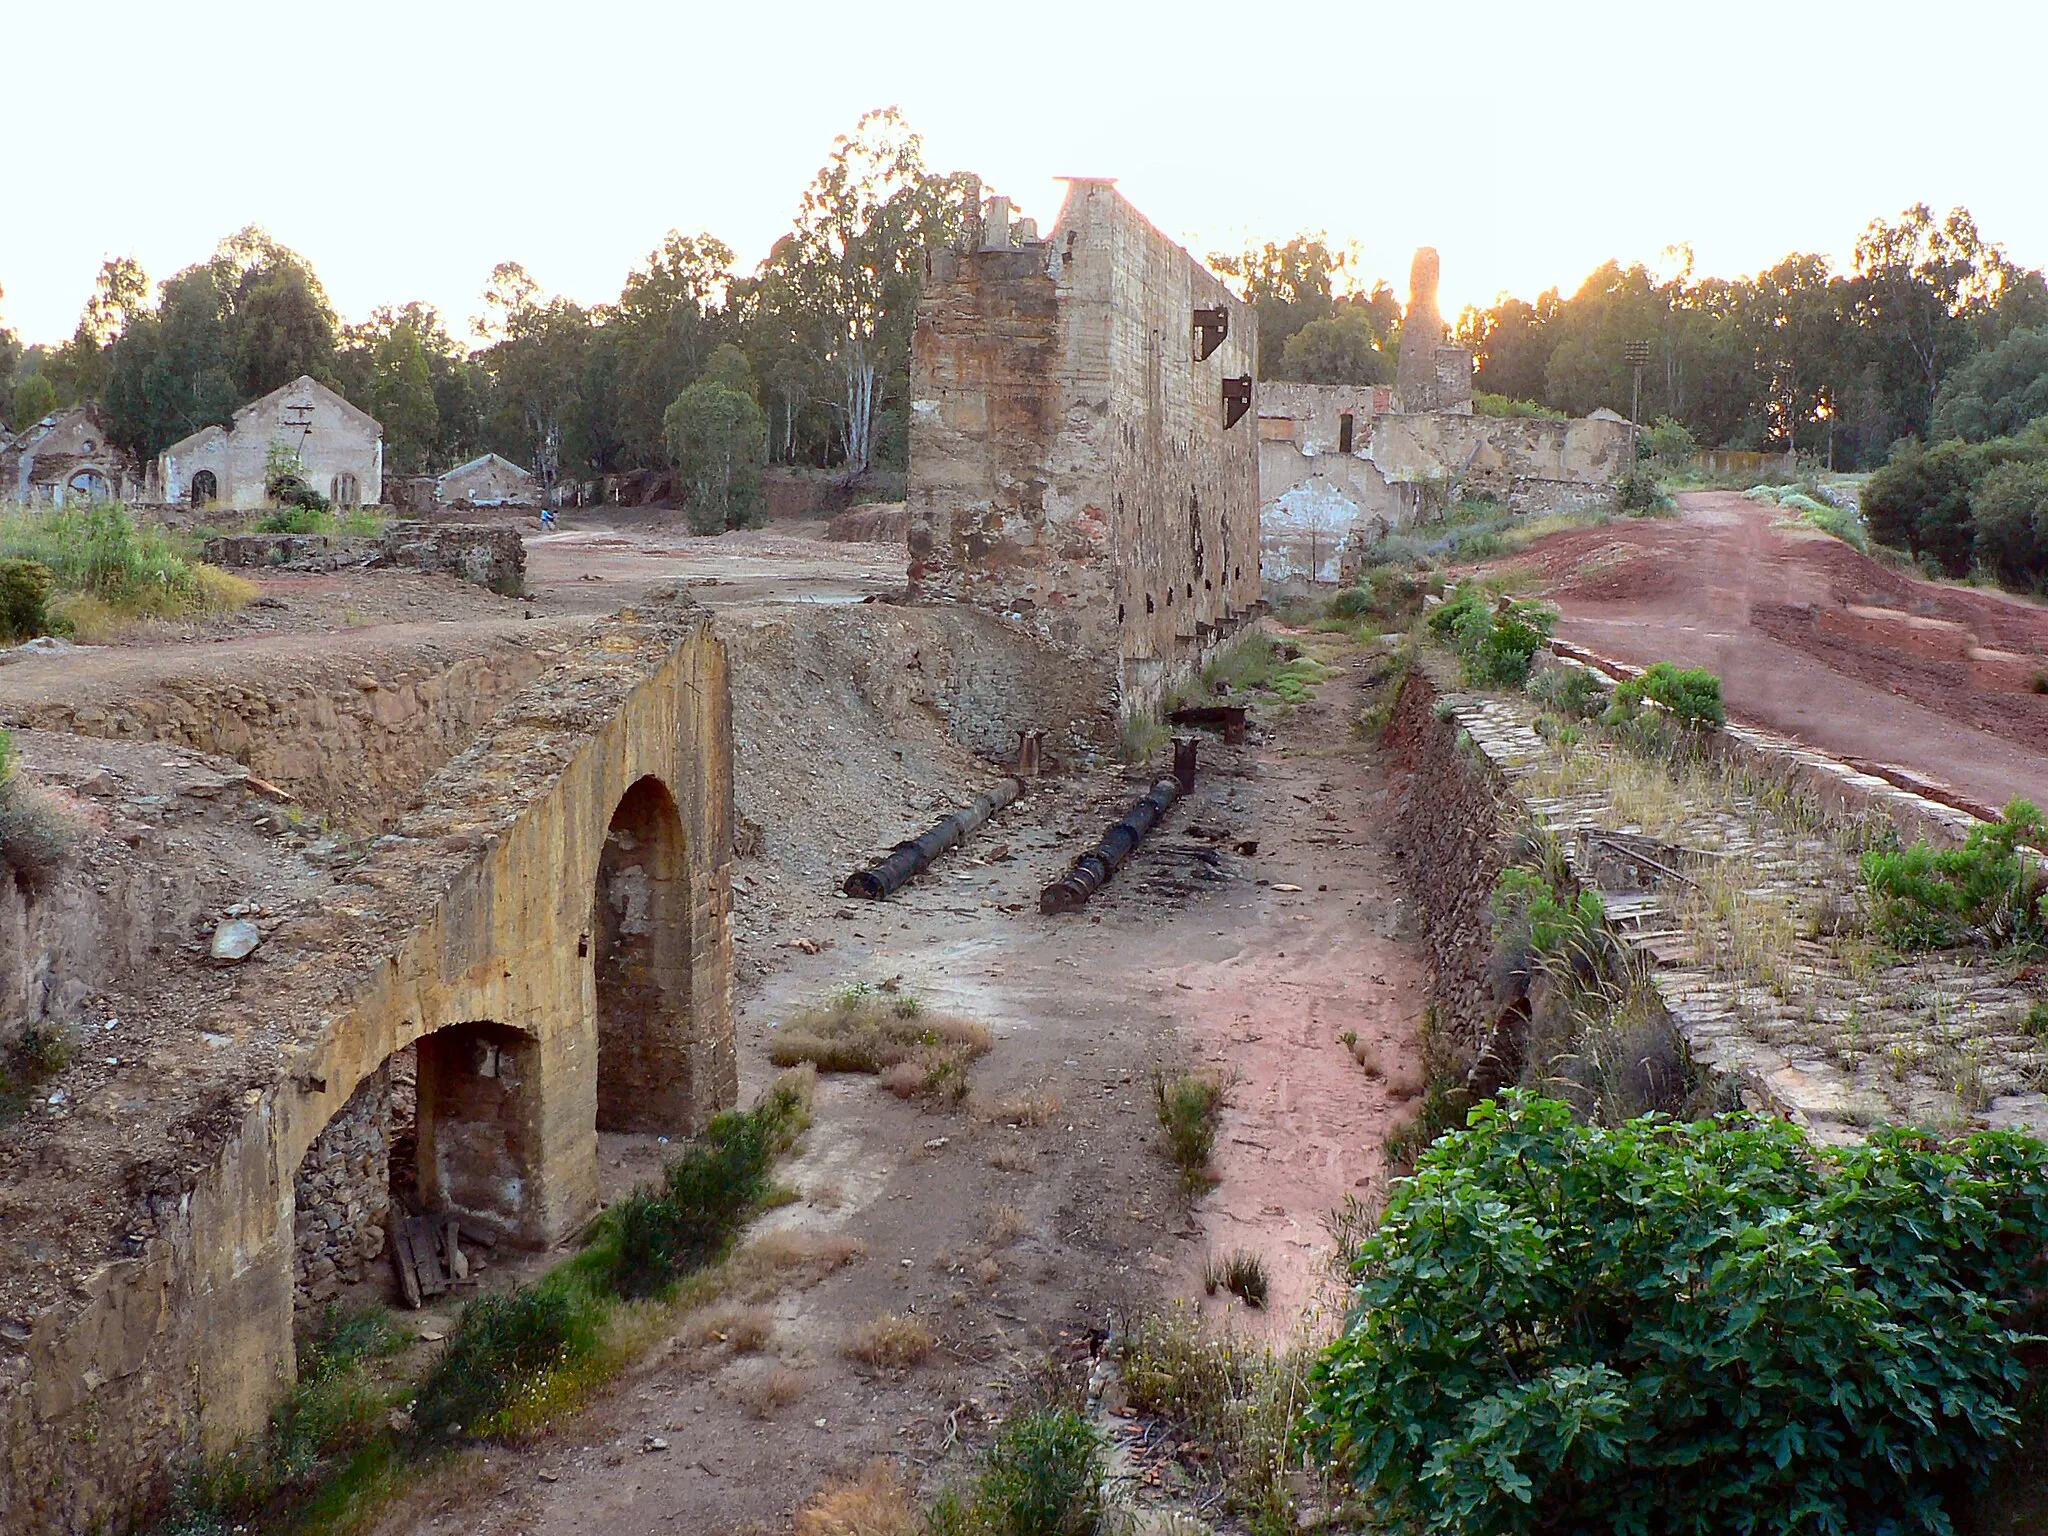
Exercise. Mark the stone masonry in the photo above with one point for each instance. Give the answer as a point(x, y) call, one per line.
point(342, 1199)
point(1079, 458)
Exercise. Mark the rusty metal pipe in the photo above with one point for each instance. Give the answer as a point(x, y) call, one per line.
point(1092, 870)
point(906, 859)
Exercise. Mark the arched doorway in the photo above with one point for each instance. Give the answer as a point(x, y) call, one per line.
point(90, 485)
point(477, 1127)
point(205, 488)
point(640, 932)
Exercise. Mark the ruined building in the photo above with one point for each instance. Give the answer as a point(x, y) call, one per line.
point(1080, 454)
point(536, 951)
point(65, 459)
point(340, 451)
point(1341, 464)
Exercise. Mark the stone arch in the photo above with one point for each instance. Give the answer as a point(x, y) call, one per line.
point(205, 488)
point(640, 956)
point(90, 483)
point(479, 1132)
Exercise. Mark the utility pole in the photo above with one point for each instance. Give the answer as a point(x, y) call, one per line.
point(1637, 355)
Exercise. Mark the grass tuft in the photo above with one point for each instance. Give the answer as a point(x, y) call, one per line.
point(1188, 1106)
point(916, 1052)
point(890, 1342)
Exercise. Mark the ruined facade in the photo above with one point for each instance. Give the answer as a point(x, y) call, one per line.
point(65, 459)
point(340, 451)
point(488, 481)
point(544, 942)
point(1081, 455)
point(1342, 464)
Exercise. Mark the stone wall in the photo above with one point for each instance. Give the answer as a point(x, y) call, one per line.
point(487, 554)
point(353, 737)
point(341, 1200)
point(1069, 462)
point(1452, 836)
point(152, 1319)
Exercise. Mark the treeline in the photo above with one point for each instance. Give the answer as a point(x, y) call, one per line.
point(815, 343)
point(1839, 365)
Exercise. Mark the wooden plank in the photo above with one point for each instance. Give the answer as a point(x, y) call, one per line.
point(402, 1261)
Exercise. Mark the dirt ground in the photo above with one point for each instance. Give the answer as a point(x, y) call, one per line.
point(1013, 1241)
point(1714, 587)
point(1010, 1240)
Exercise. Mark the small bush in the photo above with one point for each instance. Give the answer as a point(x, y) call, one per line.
point(1188, 1107)
point(1243, 1274)
point(889, 1342)
point(36, 834)
point(1043, 1476)
point(1708, 1327)
point(503, 1348)
point(1988, 891)
point(1577, 693)
point(1690, 695)
point(1497, 644)
point(25, 587)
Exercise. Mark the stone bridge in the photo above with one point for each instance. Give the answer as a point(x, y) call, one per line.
point(548, 934)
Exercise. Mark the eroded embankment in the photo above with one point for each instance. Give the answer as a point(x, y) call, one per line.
point(1730, 886)
point(349, 726)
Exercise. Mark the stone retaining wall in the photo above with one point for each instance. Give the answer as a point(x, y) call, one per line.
point(342, 1199)
point(486, 554)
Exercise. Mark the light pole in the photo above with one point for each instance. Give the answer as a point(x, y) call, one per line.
point(1637, 355)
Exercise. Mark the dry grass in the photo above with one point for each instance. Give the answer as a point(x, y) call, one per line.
point(917, 1053)
point(988, 1272)
point(1038, 1107)
point(744, 1330)
point(890, 1342)
point(1005, 1225)
point(877, 1504)
point(1014, 1158)
point(1750, 934)
point(782, 1260)
point(766, 1393)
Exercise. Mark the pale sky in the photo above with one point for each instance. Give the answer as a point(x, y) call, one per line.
point(405, 148)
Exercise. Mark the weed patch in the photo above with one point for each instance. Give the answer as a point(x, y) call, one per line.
point(891, 1343)
point(918, 1053)
point(1188, 1107)
point(101, 563)
point(36, 835)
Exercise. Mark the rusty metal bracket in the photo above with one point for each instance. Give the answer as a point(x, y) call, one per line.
point(1212, 327)
point(1237, 399)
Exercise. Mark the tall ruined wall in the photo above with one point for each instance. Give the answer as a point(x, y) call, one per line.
point(353, 737)
point(1069, 463)
point(152, 1318)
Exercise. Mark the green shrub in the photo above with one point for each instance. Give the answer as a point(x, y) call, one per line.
point(2010, 513)
point(1690, 695)
point(1702, 1328)
point(25, 587)
point(1496, 644)
point(1989, 890)
point(659, 1233)
point(295, 518)
point(1188, 1107)
point(1042, 1476)
point(1577, 693)
point(504, 1347)
point(1351, 603)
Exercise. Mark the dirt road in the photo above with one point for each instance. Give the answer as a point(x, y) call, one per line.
point(1012, 1241)
point(1700, 590)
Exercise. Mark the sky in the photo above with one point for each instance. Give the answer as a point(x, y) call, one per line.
point(407, 146)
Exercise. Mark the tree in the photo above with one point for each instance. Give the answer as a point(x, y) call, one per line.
point(718, 440)
point(856, 259)
point(34, 398)
point(78, 369)
point(1920, 288)
point(1997, 392)
point(666, 323)
point(729, 366)
point(1341, 349)
point(2010, 514)
point(1291, 285)
point(537, 370)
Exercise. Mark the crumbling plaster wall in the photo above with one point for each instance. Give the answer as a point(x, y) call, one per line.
point(1322, 503)
point(332, 438)
point(1069, 461)
point(155, 1320)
